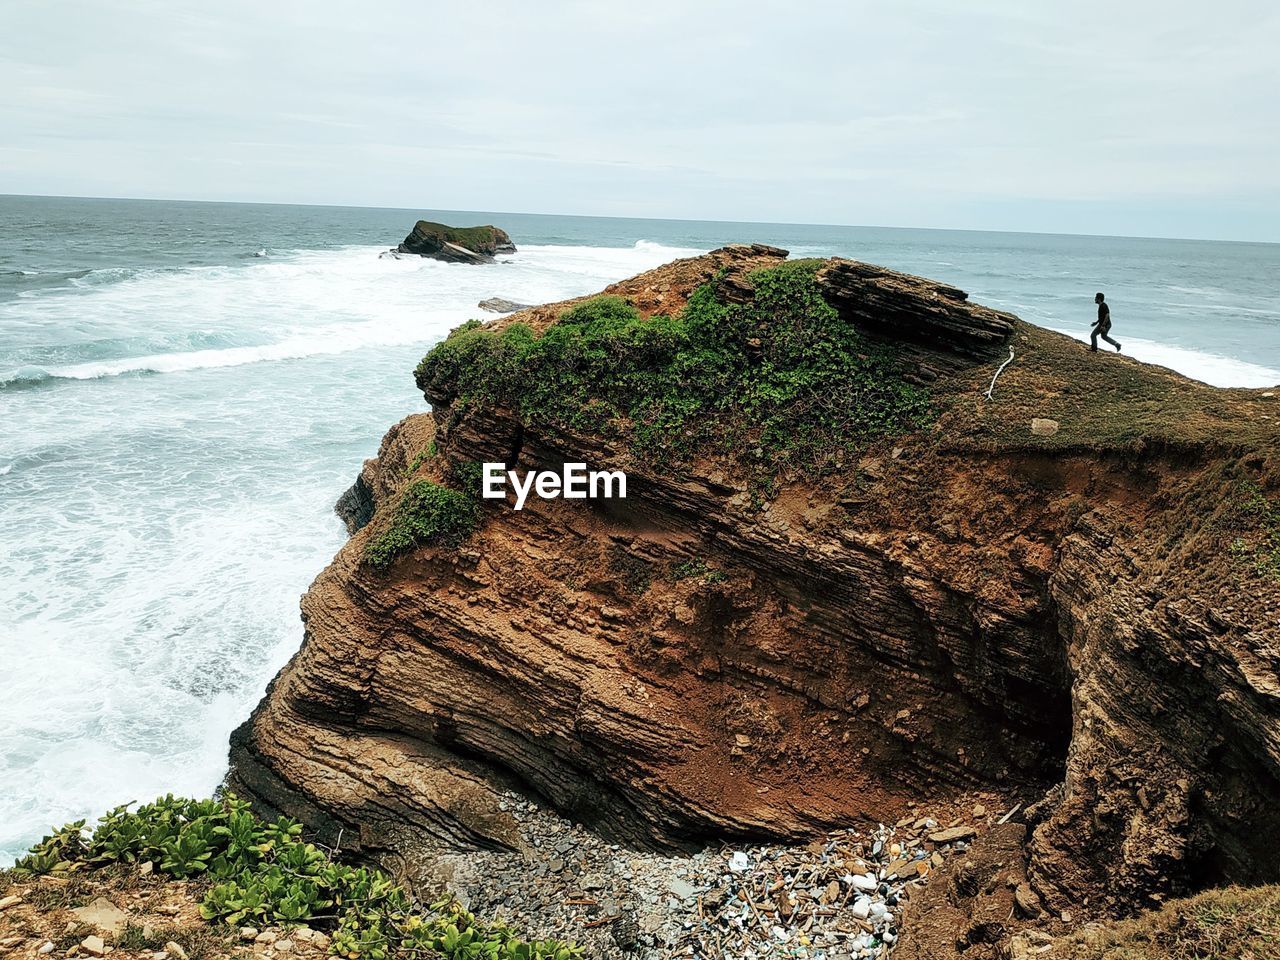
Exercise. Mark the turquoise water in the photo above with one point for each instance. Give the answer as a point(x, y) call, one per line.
point(186, 388)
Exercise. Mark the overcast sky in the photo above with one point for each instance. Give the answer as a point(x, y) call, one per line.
point(1120, 117)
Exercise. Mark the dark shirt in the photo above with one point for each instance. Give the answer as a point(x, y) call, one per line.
point(1104, 316)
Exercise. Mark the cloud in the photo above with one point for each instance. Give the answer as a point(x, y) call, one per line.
point(1132, 115)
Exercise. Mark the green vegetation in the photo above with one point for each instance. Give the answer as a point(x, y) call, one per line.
point(467, 476)
point(266, 873)
point(781, 377)
point(427, 513)
point(1231, 922)
point(697, 567)
point(421, 457)
point(478, 239)
point(1263, 550)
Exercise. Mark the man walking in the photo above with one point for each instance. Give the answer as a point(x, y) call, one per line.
point(1102, 326)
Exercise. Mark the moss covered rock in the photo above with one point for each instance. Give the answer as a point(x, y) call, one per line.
point(456, 244)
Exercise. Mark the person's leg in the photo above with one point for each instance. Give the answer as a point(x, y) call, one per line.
point(1112, 342)
point(1093, 340)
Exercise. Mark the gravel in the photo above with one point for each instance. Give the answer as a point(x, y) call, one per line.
point(840, 897)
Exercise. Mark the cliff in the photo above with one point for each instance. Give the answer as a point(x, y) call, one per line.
point(456, 244)
point(873, 588)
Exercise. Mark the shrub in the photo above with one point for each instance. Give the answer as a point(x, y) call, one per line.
point(426, 513)
point(697, 567)
point(267, 873)
point(782, 376)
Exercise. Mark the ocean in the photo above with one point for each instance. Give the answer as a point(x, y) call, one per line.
point(186, 388)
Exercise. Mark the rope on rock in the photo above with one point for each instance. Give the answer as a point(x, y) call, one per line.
point(991, 389)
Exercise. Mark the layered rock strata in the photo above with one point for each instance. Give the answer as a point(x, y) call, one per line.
point(1083, 620)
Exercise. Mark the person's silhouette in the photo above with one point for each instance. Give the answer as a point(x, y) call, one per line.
point(1102, 326)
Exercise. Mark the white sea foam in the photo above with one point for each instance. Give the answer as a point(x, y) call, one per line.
point(1208, 368)
point(317, 303)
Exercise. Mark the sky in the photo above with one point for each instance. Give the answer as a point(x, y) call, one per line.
point(1123, 117)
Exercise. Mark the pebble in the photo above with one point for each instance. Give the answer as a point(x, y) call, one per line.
point(953, 834)
point(8, 902)
point(175, 950)
point(682, 889)
point(94, 946)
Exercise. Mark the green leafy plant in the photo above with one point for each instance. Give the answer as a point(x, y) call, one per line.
point(266, 873)
point(699, 568)
point(62, 851)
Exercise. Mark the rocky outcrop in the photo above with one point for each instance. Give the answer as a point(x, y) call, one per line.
point(1077, 619)
point(914, 310)
point(501, 305)
point(456, 244)
point(403, 449)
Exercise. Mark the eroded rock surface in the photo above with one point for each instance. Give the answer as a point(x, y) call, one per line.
point(1067, 616)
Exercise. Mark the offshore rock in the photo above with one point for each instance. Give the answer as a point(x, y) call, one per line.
point(456, 244)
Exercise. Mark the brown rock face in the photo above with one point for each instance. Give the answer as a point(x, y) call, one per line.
point(1058, 615)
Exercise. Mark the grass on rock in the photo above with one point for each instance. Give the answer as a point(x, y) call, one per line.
point(1231, 922)
point(1262, 547)
point(781, 376)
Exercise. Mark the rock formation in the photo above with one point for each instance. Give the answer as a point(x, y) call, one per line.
point(1083, 620)
point(501, 305)
point(456, 244)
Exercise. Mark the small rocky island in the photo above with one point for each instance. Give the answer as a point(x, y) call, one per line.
point(456, 244)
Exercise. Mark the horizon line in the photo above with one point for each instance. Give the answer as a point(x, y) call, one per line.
point(600, 216)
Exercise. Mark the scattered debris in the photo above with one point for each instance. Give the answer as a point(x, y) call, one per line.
point(838, 898)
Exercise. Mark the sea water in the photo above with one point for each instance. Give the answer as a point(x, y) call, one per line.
point(185, 389)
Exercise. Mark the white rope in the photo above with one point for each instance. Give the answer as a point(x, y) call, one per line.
point(991, 389)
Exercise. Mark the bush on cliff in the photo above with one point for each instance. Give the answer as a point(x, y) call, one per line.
point(266, 873)
point(426, 513)
point(781, 375)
